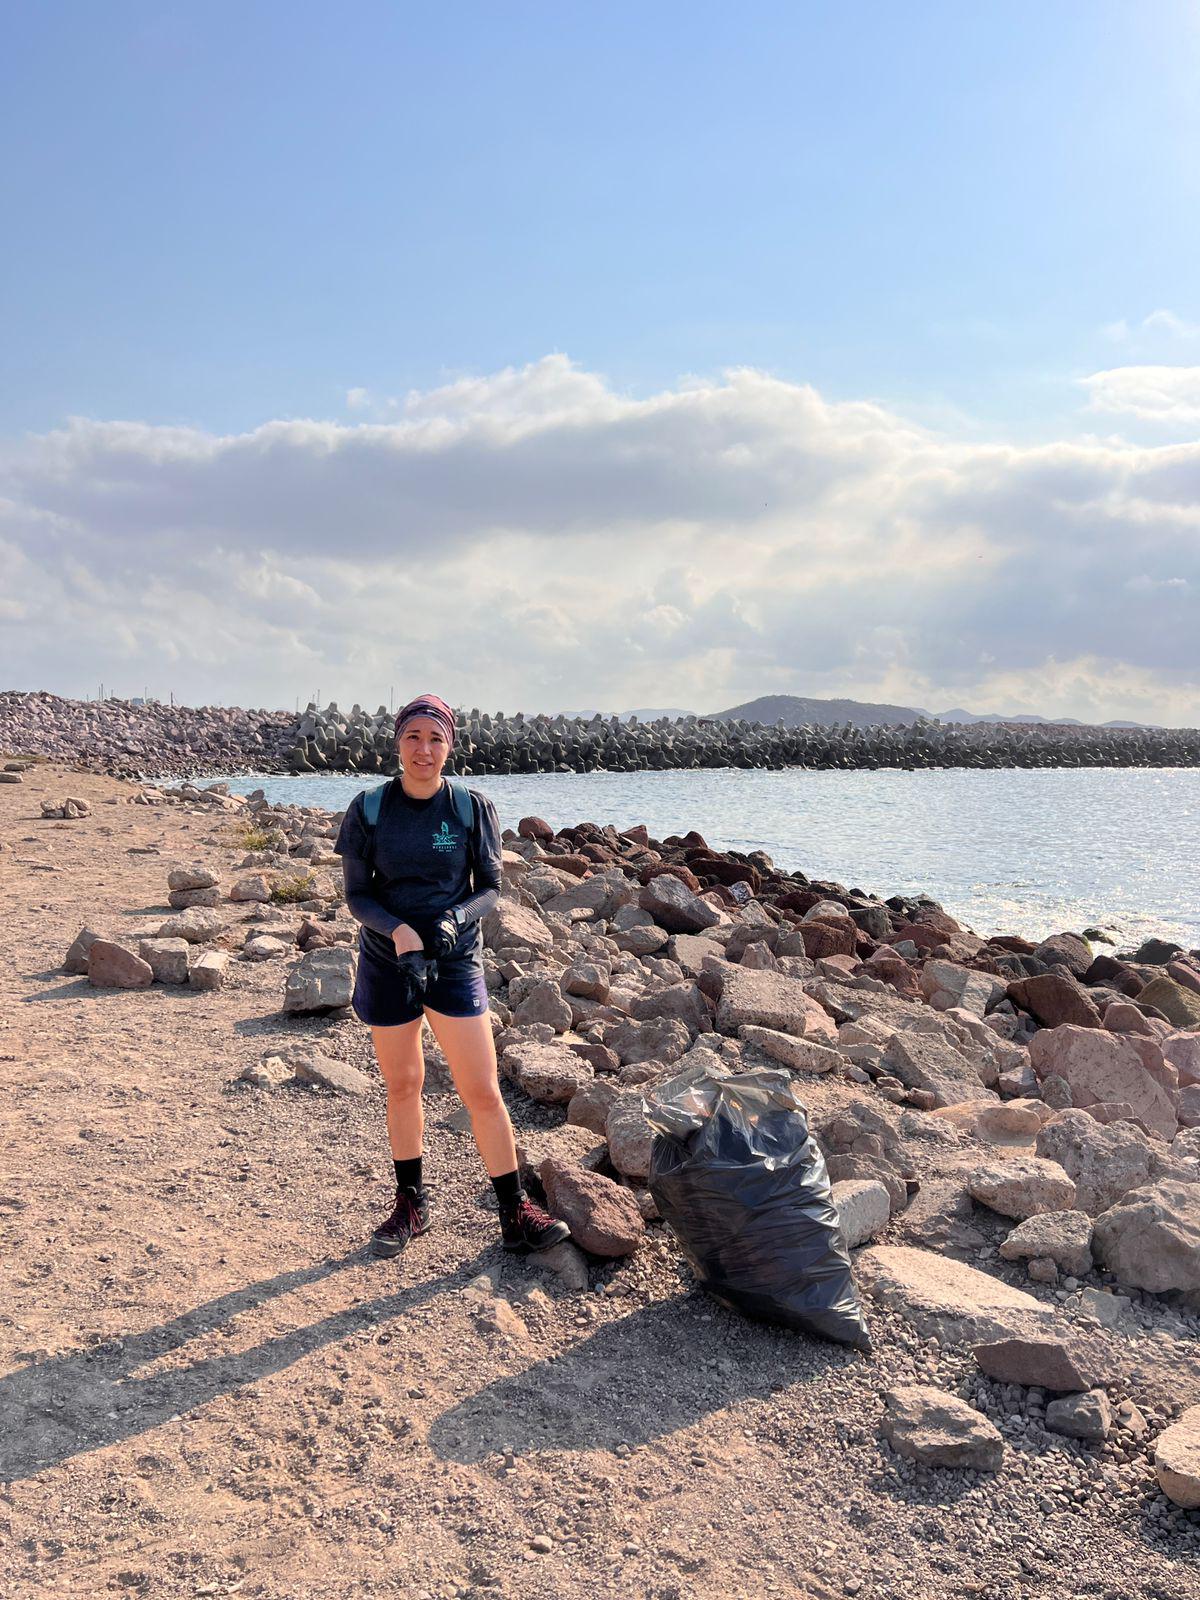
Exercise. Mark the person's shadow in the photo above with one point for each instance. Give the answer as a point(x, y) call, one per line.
point(639, 1378)
point(53, 1409)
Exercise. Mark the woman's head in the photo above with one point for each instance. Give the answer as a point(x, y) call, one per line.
point(424, 735)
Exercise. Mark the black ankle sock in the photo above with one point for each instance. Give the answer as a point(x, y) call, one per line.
point(408, 1173)
point(509, 1192)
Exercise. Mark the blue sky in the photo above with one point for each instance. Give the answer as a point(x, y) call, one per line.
point(224, 213)
point(699, 352)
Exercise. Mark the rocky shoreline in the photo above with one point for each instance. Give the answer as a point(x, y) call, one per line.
point(154, 740)
point(1012, 1131)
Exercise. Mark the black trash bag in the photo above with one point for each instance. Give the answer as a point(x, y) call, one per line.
point(735, 1173)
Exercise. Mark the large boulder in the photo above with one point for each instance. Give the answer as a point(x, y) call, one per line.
point(940, 1430)
point(1177, 1459)
point(663, 1039)
point(589, 1106)
point(1066, 950)
point(511, 923)
point(191, 875)
point(1022, 1186)
point(675, 907)
point(1182, 1050)
point(945, 1299)
point(1103, 1067)
point(197, 925)
point(76, 959)
point(600, 895)
point(322, 980)
point(168, 958)
point(1055, 999)
point(603, 1216)
point(1105, 1162)
point(772, 1000)
point(630, 1137)
point(945, 985)
point(924, 1061)
point(1064, 1237)
point(112, 966)
point(1064, 1363)
point(548, 1073)
point(864, 1209)
point(324, 1072)
point(1151, 1238)
point(683, 1001)
point(801, 1055)
point(1180, 1005)
point(544, 1003)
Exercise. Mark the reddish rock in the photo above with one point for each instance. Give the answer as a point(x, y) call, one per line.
point(828, 939)
point(1065, 950)
point(925, 937)
point(637, 835)
point(603, 1216)
point(1054, 999)
point(111, 966)
point(535, 828)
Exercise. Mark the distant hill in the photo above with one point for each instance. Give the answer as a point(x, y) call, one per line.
point(797, 711)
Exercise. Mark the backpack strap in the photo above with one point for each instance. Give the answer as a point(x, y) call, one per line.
point(464, 806)
point(372, 799)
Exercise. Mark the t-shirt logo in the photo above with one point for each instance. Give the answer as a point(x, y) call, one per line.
point(443, 839)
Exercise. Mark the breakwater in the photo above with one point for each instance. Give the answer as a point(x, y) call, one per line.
point(153, 739)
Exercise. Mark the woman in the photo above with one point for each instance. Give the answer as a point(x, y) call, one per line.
point(419, 882)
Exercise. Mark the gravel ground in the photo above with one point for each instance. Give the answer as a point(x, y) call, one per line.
point(208, 1388)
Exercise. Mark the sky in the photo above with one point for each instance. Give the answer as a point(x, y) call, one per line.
point(564, 355)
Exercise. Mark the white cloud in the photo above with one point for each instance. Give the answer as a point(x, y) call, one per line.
point(1161, 323)
point(1153, 394)
point(535, 539)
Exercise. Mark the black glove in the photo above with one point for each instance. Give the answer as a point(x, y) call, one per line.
point(442, 936)
point(415, 974)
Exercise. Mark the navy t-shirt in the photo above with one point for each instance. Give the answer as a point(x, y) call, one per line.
point(424, 861)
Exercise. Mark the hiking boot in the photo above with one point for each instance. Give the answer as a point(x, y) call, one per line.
point(528, 1227)
point(409, 1219)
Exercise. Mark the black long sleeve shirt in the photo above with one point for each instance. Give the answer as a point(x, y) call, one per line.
point(418, 862)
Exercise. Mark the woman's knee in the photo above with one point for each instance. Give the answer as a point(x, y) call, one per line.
point(403, 1079)
point(482, 1097)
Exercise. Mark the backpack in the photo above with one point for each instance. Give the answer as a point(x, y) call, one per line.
point(460, 799)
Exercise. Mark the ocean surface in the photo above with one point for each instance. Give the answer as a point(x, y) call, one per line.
point(1010, 851)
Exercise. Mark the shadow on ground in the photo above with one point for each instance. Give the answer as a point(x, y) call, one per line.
point(634, 1380)
point(81, 1400)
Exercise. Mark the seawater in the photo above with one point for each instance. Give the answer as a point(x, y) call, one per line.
point(1010, 851)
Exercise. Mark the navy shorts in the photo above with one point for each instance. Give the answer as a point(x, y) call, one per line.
point(458, 990)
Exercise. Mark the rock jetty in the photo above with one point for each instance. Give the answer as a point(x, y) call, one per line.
point(154, 740)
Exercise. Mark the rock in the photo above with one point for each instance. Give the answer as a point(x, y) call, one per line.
point(771, 1000)
point(600, 895)
point(1177, 1459)
point(548, 1073)
point(1182, 1050)
point(191, 876)
point(590, 1105)
point(326, 1073)
point(1064, 1237)
point(1059, 1363)
point(8, 776)
point(1022, 1186)
point(497, 1316)
point(535, 828)
point(1080, 1416)
point(1122, 1016)
point(946, 1300)
point(569, 1145)
point(1015, 1119)
point(945, 984)
point(939, 1430)
point(864, 1209)
point(510, 923)
point(254, 886)
point(76, 959)
point(1066, 950)
point(1189, 1106)
point(630, 1137)
point(1054, 998)
point(1105, 1163)
point(265, 947)
point(663, 1039)
point(940, 1216)
point(544, 1003)
point(208, 970)
point(1156, 952)
point(591, 979)
point(266, 1074)
point(869, 1169)
point(675, 907)
point(167, 959)
point(112, 966)
point(1180, 1006)
point(566, 1261)
point(197, 925)
point(603, 1217)
point(923, 1061)
point(801, 1055)
point(1042, 1270)
point(1150, 1239)
point(322, 980)
point(182, 899)
point(1102, 1066)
